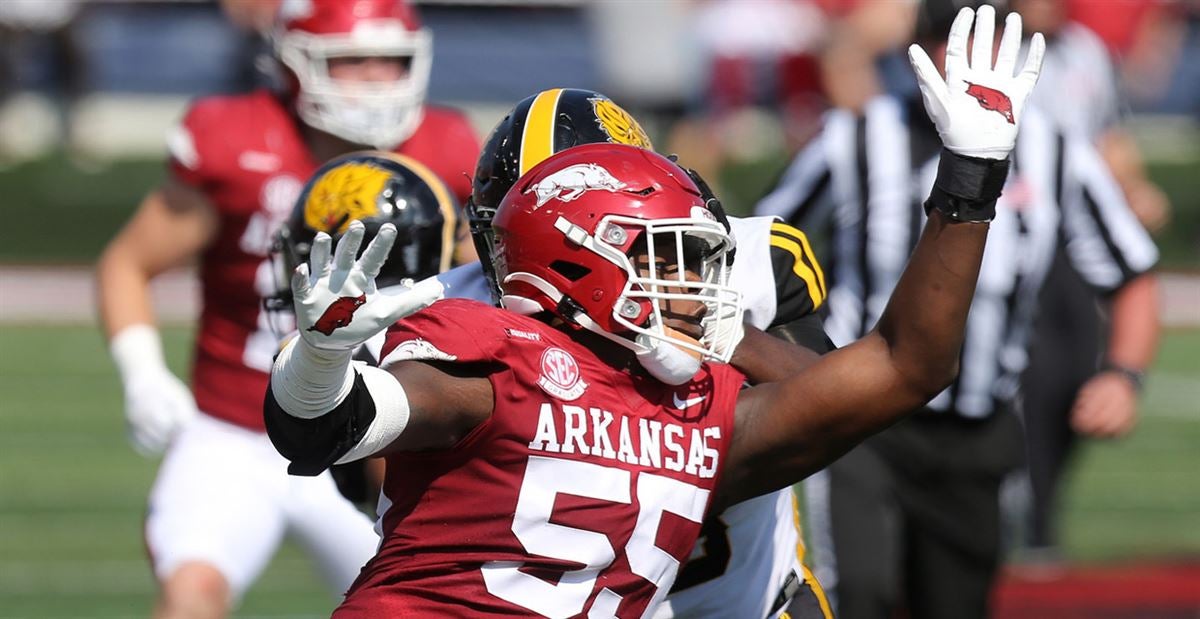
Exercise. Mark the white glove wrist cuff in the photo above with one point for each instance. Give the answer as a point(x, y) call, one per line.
point(308, 382)
point(137, 349)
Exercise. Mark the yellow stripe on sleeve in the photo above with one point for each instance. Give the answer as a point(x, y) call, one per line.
point(798, 235)
point(800, 268)
point(811, 580)
point(537, 139)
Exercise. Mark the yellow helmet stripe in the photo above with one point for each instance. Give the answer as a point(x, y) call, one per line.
point(445, 204)
point(537, 139)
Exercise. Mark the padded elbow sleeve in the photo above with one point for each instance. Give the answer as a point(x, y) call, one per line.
point(372, 415)
point(313, 445)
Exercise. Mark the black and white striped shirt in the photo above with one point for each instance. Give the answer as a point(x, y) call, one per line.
point(861, 184)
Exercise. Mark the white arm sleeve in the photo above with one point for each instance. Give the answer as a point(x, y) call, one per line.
point(391, 413)
point(308, 382)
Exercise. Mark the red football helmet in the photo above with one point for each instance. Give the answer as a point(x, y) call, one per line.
point(565, 232)
point(379, 114)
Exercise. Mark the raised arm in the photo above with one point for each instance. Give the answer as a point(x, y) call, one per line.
point(321, 409)
point(787, 430)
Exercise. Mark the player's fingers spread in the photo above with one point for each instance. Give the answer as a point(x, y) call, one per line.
point(429, 288)
point(318, 256)
point(347, 247)
point(1033, 62)
point(377, 252)
point(960, 30)
point(419, 296)
point(981, 47)
point(1010, 45)
point(300, 282)
point(927, 74)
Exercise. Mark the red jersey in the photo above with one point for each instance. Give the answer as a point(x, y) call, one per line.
point(247, 155)
point(580, 495)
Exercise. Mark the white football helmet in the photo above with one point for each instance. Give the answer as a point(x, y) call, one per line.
point(378, 114)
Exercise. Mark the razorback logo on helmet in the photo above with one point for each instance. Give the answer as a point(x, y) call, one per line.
point(571, 182)
point(344, 194)
point(992, 99)
point(699, 212)
point(560, 375)
point(620, 125)
point(338, 314)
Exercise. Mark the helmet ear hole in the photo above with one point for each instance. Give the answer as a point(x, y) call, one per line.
point(570, 270)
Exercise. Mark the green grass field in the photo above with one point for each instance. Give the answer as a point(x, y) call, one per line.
point(72, 493)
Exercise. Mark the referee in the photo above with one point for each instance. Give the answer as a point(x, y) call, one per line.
point(911, 517)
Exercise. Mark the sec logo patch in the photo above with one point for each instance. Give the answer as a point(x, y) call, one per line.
point(560, 375)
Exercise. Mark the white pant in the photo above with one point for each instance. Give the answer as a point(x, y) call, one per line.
point(223, 497)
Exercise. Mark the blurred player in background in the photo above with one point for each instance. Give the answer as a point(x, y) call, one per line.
point(748, 561)
point(1068, 372)
point(222, 501)
point(913, 513)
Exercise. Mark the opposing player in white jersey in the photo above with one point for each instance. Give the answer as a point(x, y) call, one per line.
point(748, 561)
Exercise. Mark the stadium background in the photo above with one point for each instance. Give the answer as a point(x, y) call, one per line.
point(83, 106)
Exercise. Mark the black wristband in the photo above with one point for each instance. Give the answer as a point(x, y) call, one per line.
point(1136, 377)
point(966, 188)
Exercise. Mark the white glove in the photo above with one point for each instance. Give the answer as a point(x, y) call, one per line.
point(977, 107)
point(157, 403)
point(338, 306)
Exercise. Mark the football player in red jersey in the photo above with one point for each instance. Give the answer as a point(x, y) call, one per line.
point(358, 71)
point(533, 468)
point(749, 560)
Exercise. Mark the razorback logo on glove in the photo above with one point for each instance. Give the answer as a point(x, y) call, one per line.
point(338, 314)
point(992, 99)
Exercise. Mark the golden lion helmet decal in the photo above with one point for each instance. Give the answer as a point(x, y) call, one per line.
point(343, 194)
point(374, 188)
point(621, 126)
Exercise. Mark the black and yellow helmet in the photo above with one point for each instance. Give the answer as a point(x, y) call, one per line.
point(539, 126)
point(374, 188)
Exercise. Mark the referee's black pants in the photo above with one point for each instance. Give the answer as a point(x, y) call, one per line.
point(1064, 353)
point(915, 516)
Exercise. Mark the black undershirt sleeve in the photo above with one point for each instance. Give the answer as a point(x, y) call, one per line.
point(806, 331)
